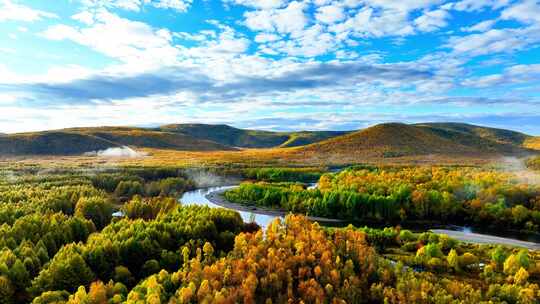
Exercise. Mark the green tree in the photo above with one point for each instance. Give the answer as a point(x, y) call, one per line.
point(519, 214)
point(6, 291)
point(123, 275)
point(52, 297)
point(150, 267)
point(96, 209)
point(19, 275)
point(523, 258)
point(498, 255)
point(67, 271)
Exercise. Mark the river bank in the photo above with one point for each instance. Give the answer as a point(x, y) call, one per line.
point(217, 198)
point(471, 237)
point(213, 197)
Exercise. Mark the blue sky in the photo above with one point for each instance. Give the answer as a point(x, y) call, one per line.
point(269, 64)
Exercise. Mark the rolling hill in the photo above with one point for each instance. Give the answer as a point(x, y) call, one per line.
point(230, 136)
point(500, 136)
point(401, 140)
point(389, 140)
point(81, 140)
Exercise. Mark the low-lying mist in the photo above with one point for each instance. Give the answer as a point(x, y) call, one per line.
point(124, 151)
point(518, 167)
point(205, 179)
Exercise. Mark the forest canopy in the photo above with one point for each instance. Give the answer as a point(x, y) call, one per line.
point(59, 242)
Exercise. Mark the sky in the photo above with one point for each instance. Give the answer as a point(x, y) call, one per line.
point(269, 64)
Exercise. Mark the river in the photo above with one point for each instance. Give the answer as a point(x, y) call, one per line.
point(198, 197)
point(262, 218)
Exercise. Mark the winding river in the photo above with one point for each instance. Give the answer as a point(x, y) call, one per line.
point(263, 217)
point(199, 197)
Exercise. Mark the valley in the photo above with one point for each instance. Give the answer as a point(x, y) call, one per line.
point(114, 215)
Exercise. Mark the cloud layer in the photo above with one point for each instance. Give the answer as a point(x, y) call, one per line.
point(278, 64)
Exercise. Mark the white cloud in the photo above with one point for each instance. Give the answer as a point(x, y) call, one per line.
point(478, 5)
point(229, 81)
point(330, 14)
point(265, 37)
point(313, 41)
point(480, 27)
point(285, 20)
point(402, 5)
point(136, 5)
point(515, 74)
point(264, 4)
point(85, 17)
point(200, 36)
point(432, 20)
point(527, 11)
point(178, 5)
point(123, 39)
point(369, 23)
point(11, 11)
point(225, 44)
point(495, 41)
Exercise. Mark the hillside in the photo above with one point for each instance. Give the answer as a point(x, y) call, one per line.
point(230, 136)
point(384, 141)
point(401, 140)
point(51, 143)
point(501, 136)
point(80, 140)
point(532, 143)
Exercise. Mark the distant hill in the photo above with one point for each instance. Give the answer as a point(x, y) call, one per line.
point(80, 140)
point(501, 136)
point(230, 136)
point(51, 143)
point(389, 140)
point(398, 140)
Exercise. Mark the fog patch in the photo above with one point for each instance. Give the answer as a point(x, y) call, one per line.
point(8, 176)
point(518, 167)
point(205, 179)
point(123, 152)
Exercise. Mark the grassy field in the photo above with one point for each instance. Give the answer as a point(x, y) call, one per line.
point(243, 158)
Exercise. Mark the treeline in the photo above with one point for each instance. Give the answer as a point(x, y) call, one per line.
point(125, 186)
point(284, 174)
point(461, 195)
point(299, 262)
